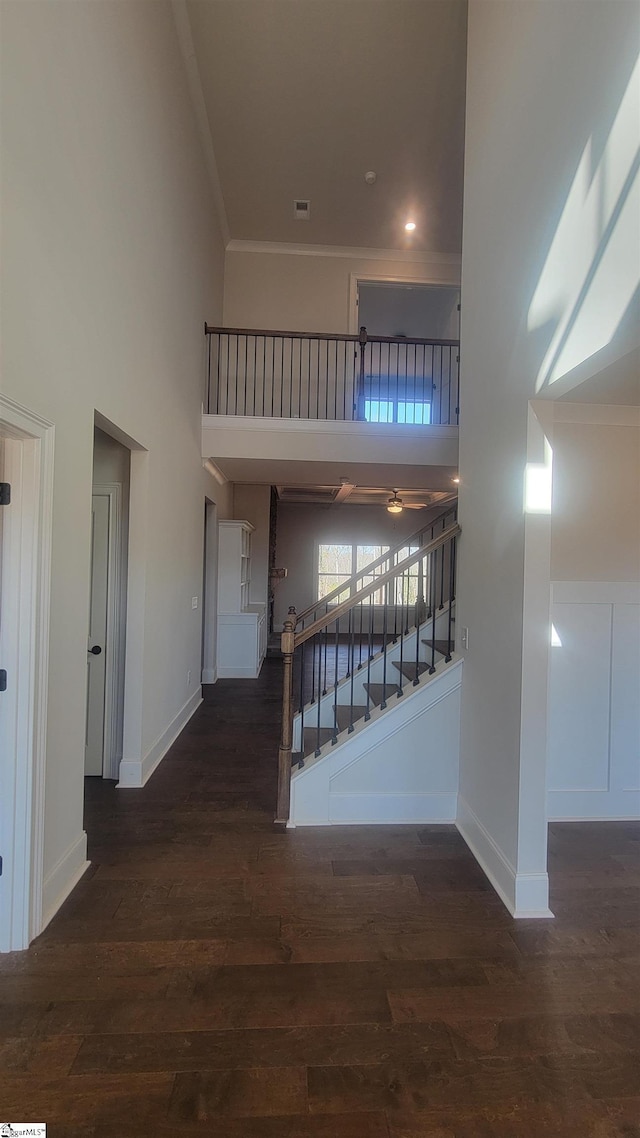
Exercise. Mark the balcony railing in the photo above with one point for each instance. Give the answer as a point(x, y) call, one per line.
point(314, 375)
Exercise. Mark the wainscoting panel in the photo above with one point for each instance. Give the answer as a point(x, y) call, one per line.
point(594, 709)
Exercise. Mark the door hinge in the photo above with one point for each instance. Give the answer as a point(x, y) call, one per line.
point(5, 493)
point(3, 679)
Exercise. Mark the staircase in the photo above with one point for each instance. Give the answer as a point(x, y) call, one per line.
point(352, 667)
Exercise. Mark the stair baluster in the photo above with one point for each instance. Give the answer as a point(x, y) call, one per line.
point(406, 585)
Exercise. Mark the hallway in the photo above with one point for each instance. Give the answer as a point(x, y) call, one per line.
point(213, 975)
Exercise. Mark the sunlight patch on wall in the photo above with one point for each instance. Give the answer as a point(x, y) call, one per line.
point(592, 269)
point(555, 639)
point(538, 479)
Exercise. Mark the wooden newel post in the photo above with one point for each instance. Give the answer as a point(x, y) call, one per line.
point(287, 644)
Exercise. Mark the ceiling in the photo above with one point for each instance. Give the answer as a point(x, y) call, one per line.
point(348, 494)
point(304, 96)
point(385, 478)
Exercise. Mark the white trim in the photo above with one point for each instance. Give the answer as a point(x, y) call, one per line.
point(64, 877)
point(214, 470)
point(593, 805)
point(524, 894)
point(132, 730)
point(185, 39)
point(595, 592)
point(113, 646)
point(352, 252)
point(595, 414)
point(375, 431)
point(356, 279)
point(231, 673)
point(24, 852)
point(357, 808)
point(135, 772)
point(210, 595)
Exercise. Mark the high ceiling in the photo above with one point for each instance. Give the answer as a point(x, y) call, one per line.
point(304, 96)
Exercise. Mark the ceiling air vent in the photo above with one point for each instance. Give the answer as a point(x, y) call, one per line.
point(301, 209)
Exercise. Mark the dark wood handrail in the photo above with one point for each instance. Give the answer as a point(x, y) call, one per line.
point(355, 577)
point(379, 583)
point(342, 336)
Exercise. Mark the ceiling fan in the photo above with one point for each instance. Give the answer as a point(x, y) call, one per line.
point(396, 505)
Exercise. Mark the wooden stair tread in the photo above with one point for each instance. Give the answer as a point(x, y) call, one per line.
point(408, 668)
point(380, 692)
point(345, 714)
point(441, 646)
point(314, 738)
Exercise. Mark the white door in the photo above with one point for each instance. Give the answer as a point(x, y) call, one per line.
point(96, 656)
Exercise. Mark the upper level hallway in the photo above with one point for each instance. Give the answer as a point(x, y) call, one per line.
point(212, 975)
point(383, 408)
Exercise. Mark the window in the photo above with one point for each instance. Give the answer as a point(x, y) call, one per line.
point(407, 587)
point(337, 563)
point(397, 411)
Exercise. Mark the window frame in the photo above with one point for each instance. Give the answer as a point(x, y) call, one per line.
point(412, 574)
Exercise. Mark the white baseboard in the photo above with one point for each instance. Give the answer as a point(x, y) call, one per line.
point(524, 894)
point(593, 805)
point(388, 808)
point(136, 772)
point(238, 673)
point(209, 675)
point(64, 876)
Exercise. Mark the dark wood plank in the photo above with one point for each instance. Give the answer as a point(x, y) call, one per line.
point(212, 974)
point(201, 1098)
point(239, 1049)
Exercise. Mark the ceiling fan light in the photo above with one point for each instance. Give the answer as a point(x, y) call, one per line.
point(394, 505)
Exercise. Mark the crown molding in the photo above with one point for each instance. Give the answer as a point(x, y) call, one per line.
point(185, 39)
point(596, 414)
point(353, 253)
point(214, 470)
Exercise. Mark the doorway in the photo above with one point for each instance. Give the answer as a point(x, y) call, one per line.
point(26, 457)
point(409, 309)
point(210, 594)
point(107, 611)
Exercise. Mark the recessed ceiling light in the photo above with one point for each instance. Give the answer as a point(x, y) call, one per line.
point(455, 479)
point(410, 226)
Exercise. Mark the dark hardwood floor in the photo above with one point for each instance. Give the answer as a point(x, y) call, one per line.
point(211, 975)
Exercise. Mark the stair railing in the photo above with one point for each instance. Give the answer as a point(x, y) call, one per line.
point(412, 597)
point(333, 376)
point(420, 537)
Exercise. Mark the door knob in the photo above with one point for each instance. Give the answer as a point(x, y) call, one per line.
point(96, 650)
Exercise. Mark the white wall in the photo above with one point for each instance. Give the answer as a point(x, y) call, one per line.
point(544, 81)
point(112, 261)
point(594, 680)
point(595, 528)
point(312, 293)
